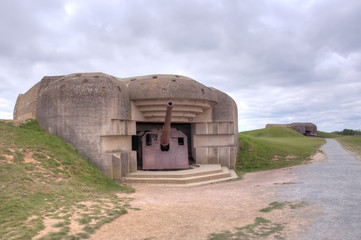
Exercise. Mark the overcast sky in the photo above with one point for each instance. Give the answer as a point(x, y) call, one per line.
point(282, 61)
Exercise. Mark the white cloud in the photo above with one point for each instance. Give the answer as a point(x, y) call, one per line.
point(280, 60)
point(6, 115)
point(4, 103)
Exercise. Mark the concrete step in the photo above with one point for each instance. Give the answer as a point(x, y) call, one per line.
point(194, 170)
point(233, 176)
point(205, 174)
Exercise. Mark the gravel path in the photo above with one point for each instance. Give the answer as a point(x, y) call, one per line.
point(334, 185)
point(194, 213)
point(331, 188)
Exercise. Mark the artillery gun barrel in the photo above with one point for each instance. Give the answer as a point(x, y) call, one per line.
point(165, 138)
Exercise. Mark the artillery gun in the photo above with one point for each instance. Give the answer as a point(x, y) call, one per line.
point(166, 148)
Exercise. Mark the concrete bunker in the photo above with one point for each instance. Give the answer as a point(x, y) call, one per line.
point(105, 117)
point(307, 128)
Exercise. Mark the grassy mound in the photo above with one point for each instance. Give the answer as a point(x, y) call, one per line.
point(46, 184)
point(273, 132)
point(274, 147)
point(327, 135)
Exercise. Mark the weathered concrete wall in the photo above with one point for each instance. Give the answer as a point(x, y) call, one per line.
point(217, 141)
point(167, 86)
point(98, 114)
point(214, 142)
point(80, 107)
point(25, 107)
point(305, 128)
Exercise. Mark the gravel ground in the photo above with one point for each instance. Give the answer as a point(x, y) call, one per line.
point(194, 213)
point(330, 188)
point(334, 185)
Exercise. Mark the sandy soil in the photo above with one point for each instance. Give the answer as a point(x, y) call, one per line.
point(196, 212)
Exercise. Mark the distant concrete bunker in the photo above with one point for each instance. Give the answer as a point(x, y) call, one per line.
point(307, 129)
point(105, 118)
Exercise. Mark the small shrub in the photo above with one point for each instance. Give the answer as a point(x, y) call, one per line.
point(274, 205)
point(88, 229)
point(7, 151)
point(280, 205)
point(39, 156)
point(83, 235)
point(85, 219)
point(260, 229)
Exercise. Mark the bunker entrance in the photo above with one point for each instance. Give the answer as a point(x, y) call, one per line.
point(145, 130)
point(308, 131)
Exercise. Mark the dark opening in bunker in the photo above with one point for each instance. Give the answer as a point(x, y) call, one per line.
point(143, 127)
point(308, 131)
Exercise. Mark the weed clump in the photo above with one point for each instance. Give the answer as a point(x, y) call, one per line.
point(280, 205)
point(260, 229)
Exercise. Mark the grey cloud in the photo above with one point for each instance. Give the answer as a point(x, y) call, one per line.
point(336, 26)
point(280, 60)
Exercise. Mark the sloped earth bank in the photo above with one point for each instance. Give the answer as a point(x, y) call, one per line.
point(292, 203)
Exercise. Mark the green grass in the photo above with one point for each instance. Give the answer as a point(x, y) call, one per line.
point(352, 143)
point(274, 205)
point(260, 229)
point(273, 132)
point(274, 147)
point(280, 205)
point(327, 135)
point(43, 177)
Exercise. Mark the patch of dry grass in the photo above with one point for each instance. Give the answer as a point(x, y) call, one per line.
point(43, 183)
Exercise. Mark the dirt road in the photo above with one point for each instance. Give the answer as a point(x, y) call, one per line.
point(334, 185)
point(314, 201)
point(195, 213)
